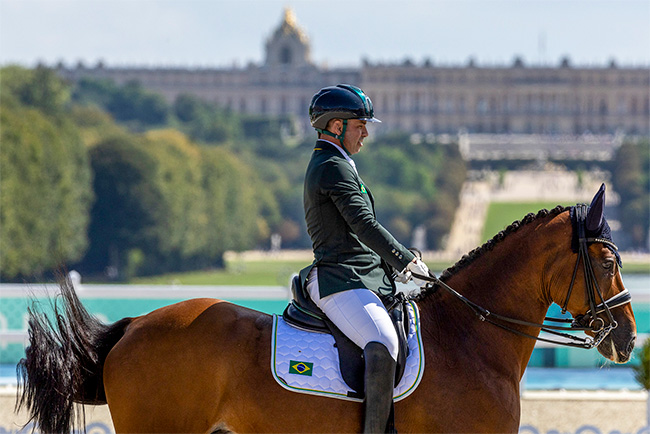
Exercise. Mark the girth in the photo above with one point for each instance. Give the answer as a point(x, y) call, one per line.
point(303, 313)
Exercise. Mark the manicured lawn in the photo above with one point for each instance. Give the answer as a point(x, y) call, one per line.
point(502, 214)
point(271, 272)
point(237, 272)
point(635, 267)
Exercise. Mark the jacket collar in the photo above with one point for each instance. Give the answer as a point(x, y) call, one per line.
point(326, 144)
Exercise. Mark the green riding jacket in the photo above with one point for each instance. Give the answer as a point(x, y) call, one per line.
point(351, 249)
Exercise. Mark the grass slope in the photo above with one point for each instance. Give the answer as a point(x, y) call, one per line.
point(502, 214)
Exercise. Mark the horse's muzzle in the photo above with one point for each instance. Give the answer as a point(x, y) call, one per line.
point(624, 357)
point(618, 347)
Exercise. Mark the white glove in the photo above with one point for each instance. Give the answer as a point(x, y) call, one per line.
point(418, 267)
point(402, 277)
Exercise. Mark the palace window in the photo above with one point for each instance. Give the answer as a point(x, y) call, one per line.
point(621, 106)
point(602, 108)
point(461, 105)
point(433, 104)
point(449, 104)
point(481, 107)
point(417, 102)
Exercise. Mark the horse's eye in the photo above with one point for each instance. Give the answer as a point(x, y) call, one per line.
point(608, 265)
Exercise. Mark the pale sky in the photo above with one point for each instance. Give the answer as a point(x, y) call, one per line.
point(218, 33)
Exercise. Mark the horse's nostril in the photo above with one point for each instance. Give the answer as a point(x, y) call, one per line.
point(630, 345)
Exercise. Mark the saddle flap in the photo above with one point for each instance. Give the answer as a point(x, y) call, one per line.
point(401, 327)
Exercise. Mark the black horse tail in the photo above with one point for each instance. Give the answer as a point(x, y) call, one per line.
point(64, 361)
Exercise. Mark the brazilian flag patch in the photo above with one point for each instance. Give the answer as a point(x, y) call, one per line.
point(301, 368)
point(363, 189)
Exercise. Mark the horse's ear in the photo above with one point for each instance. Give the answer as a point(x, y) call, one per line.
point(596, 210)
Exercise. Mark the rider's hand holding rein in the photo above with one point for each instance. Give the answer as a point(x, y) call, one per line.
point(416, 266)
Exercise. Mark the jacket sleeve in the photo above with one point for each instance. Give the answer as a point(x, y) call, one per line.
point(341, 184)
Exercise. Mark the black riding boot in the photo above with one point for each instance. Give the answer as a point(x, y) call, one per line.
point(379, 383)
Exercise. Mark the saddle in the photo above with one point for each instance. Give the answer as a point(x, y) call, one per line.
point(303, 313)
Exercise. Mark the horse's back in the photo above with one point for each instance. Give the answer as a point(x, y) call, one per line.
point(180, 355)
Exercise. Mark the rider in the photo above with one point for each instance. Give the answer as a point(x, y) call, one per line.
point(353, 252)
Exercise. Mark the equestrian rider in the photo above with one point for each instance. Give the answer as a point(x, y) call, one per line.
point(353, 253)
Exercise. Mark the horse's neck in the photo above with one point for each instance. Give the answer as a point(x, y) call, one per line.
point(506, 281)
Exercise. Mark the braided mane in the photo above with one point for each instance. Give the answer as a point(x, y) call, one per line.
point(489, 245)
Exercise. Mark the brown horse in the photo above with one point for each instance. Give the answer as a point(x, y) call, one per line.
point(203, 365)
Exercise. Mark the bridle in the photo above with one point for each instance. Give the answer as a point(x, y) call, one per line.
point(589, 321)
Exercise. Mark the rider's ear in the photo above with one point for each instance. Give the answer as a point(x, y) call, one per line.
point(596, 210)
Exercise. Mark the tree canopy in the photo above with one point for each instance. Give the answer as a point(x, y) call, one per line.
point(45, 191)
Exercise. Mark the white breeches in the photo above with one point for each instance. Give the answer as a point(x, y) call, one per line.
point(358, 313)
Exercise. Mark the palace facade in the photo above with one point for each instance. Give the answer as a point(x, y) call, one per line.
point(422, 98)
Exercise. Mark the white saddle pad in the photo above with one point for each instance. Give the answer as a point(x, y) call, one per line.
point(307, 362)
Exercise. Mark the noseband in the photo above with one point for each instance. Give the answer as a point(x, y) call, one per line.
point(589, 321)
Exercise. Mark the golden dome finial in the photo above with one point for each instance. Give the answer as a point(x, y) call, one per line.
point(289, 16)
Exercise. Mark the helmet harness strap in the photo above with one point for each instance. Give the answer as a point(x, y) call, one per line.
point(336, 136)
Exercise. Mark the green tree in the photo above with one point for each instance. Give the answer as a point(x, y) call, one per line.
point(178, 175)
point(45, 187)
point(188, 107)
point(97, 92)
point(642, 370)
point(128, 211)
point(205, 122)
point(130, 103)
point(165, 204)
point(231, 201)
point(94, 124)
point(39, 88)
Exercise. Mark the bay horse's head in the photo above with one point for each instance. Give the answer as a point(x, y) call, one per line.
point(595, 294)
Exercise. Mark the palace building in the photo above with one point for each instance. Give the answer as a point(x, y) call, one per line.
point(565, 100)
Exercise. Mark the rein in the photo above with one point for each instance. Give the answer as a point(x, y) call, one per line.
point(589, 321)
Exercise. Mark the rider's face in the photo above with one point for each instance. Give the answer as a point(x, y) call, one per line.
point(354, 135)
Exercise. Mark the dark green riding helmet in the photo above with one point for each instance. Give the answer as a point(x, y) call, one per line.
point(342, 101)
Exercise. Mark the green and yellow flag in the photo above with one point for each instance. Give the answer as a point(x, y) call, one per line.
point(301, 368)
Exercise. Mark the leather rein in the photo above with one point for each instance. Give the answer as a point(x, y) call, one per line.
point(589, 321)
